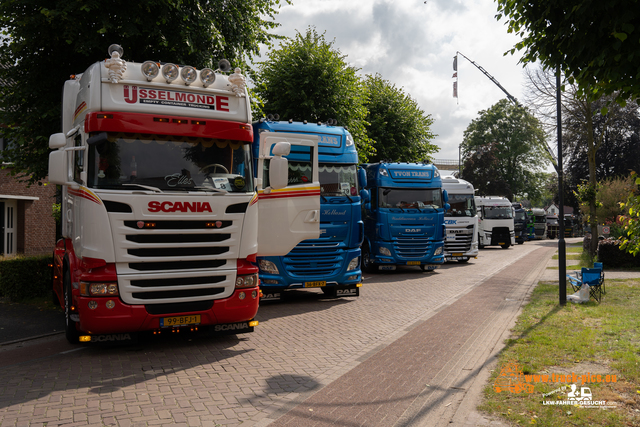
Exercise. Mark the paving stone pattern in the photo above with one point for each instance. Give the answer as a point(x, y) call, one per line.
point(302, 349)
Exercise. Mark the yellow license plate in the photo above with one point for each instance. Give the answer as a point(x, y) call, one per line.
point(166, 322)
point(413, 262)
point(500, 243)
point(318, 284)
point(460, 254)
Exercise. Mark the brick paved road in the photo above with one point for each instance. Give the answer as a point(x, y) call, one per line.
point(299, 349)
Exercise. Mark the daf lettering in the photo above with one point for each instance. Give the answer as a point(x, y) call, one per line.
point(412, 230)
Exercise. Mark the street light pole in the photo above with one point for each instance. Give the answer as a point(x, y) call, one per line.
point(562, 264)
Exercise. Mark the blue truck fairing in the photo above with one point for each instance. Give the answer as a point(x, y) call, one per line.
point(331, 262)
point(404, 220)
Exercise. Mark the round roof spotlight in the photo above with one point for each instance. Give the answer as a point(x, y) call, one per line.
point(150, 70)
point(207, 76)
point(188, 74)
point(270, 117)
point(276, 117)
point(115, 48)
point(170, 72)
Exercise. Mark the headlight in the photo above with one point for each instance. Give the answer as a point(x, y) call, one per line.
point(89, 289)
point(170, 72)
point(188, 74)
point(353, 264)
point(268, 266)
point(438, 251)
point(150, 70)
point(249, 281)
point(384, 251)
point(207, 76)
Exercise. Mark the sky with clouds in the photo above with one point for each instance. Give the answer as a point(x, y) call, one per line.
point(412, 43)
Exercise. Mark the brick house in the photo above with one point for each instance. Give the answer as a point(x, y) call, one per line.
point(27, 226)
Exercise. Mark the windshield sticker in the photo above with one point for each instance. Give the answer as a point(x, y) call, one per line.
point(345, 187)
point(221, 183)
point(239, 182)
point(178, 179)
point(410, 174)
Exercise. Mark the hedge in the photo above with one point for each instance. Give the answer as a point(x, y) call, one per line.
point(25, 277)
point(610, 255)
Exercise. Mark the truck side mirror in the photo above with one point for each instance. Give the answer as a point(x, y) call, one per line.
point(365, 196)
point(279, 166)
point(447, 206)
point(57, 140)
point(59, 168)
point(362, 178)
point(445, 196)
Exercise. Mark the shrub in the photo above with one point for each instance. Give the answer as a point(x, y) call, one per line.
point(611, 256)
point(24, 278)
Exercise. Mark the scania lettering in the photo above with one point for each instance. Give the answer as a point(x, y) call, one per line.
point(162, 215)
point(403, 216)
point(331, 262)
point(461, 221)
point(495, 222)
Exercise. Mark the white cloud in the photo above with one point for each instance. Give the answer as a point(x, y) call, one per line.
point(412, 44)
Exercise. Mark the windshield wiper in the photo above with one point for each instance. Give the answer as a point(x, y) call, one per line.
point(147, 187)
point(212, 189)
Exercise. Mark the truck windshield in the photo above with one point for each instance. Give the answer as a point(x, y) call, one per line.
point(170, 163)
point(405, 198)
point(338, 180)
point(540, 219)
point(498, 212)
point(520, 216)
point(461, 205)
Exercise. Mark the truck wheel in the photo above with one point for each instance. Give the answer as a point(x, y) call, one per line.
point(463, 260)
point(70, 329)
point(521, 242)
point(367, 265)
point(506, 246)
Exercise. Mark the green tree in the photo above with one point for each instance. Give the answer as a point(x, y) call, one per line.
point(306, 78)
point(631, 242)
point(44, 41)
point(503, 153)
point(597, 43)
point(400, 129)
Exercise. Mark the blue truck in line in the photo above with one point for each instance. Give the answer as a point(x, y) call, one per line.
point(403, 216)
point(331, 262)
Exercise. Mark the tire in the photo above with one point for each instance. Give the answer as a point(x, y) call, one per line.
point(520, 243)
point(367, 265)
point(70, 329)
point(506, 246)
point(463, 261)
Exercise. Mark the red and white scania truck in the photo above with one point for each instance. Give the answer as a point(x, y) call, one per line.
point(162, 213)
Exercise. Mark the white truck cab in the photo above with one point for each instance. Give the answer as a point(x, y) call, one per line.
point(495, 222)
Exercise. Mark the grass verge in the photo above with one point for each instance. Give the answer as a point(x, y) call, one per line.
point(582, 339)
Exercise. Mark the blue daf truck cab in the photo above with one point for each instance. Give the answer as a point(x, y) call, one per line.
point(403, 216)
point(331, 262)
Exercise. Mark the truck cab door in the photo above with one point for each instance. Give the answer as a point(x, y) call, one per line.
point(288, 210)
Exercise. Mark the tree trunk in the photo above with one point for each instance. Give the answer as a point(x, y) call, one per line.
point(593, 183)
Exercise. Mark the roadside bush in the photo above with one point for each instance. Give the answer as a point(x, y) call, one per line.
point(611, 256)
point(24, 278)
